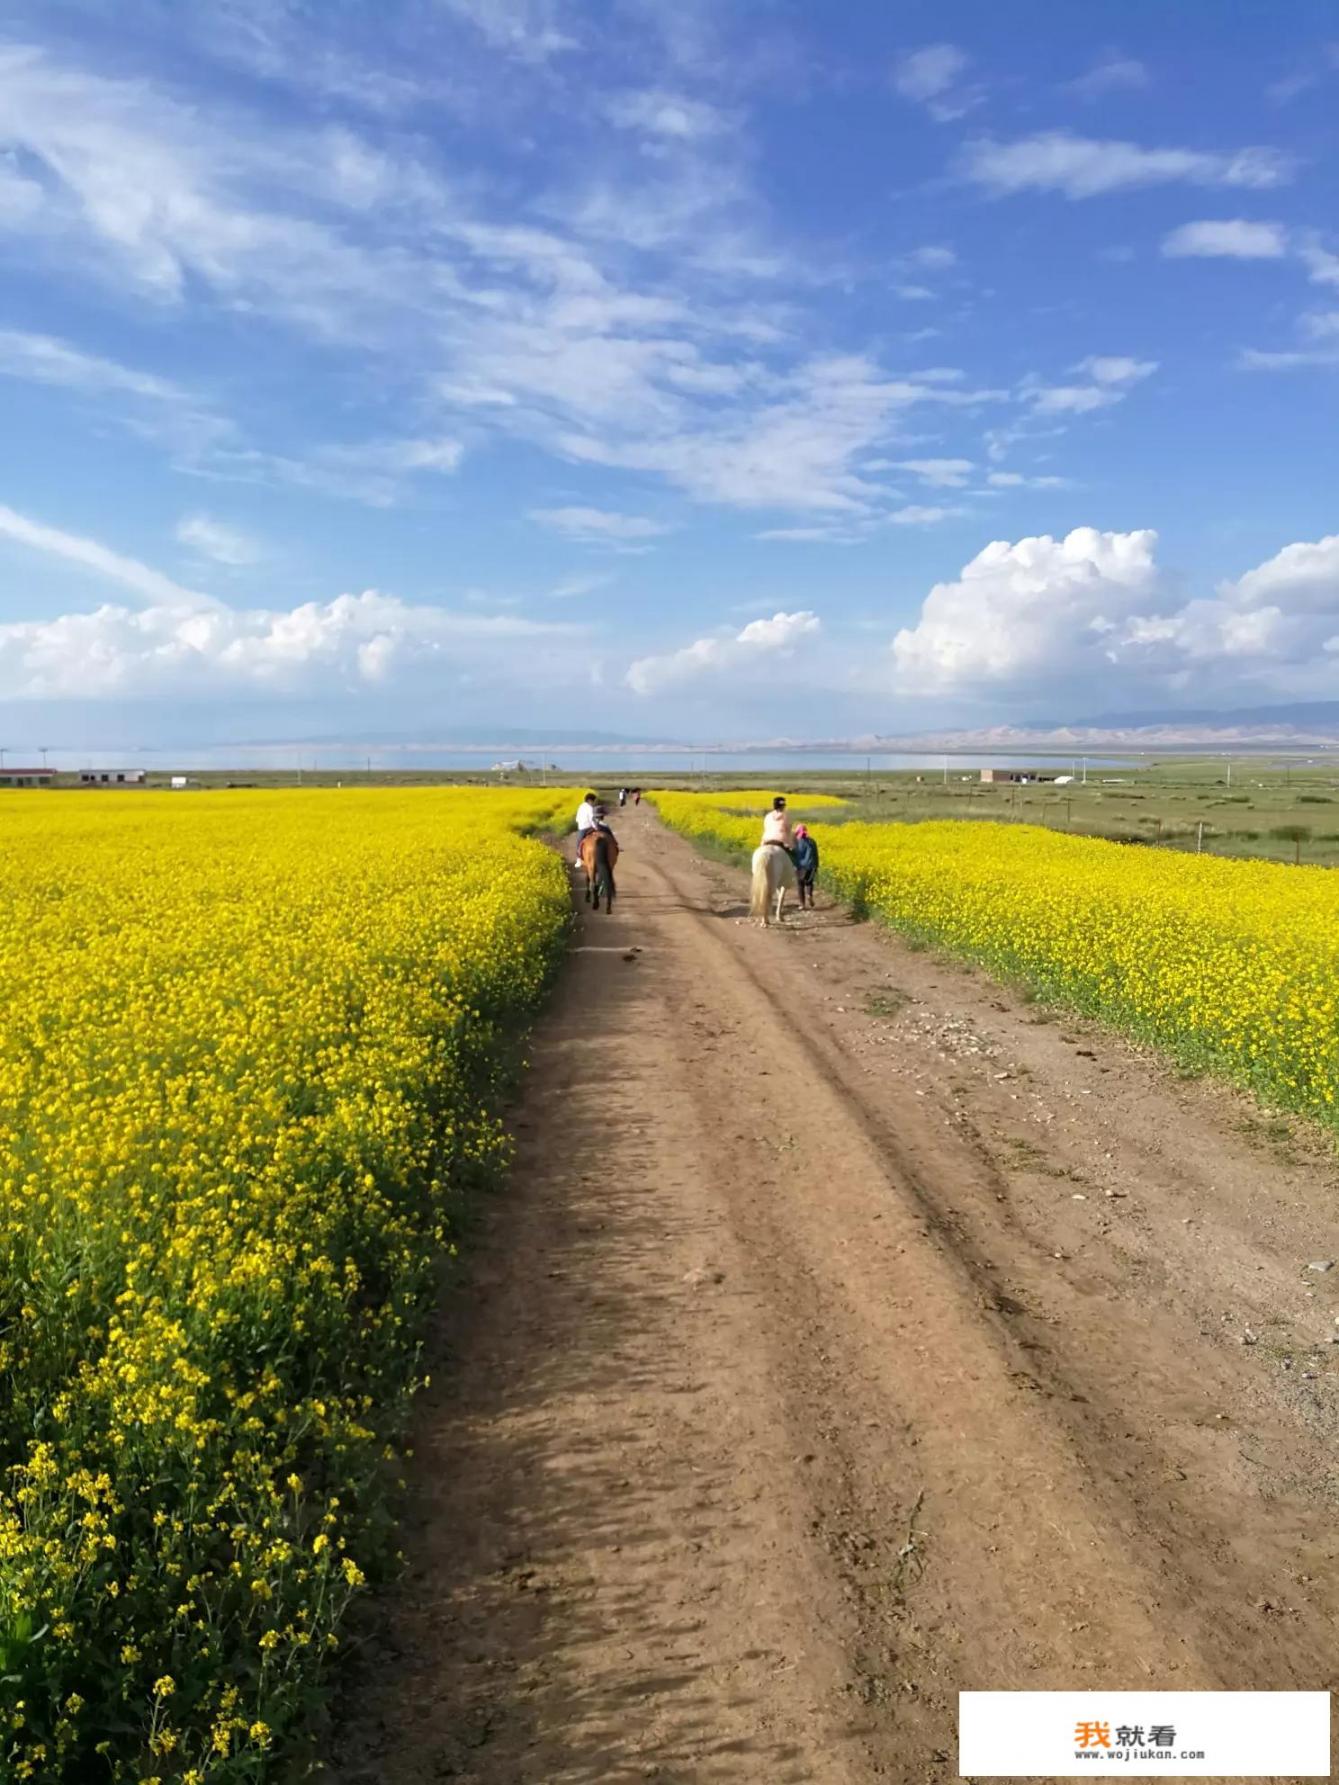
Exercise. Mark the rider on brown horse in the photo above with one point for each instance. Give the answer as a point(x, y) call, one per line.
point(599, 853)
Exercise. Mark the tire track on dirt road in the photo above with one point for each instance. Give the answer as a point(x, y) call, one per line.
point(797, 1387)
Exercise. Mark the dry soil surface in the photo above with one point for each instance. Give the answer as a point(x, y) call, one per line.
point(851, 1332)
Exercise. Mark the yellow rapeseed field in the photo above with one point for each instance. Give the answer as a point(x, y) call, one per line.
point(1232, 964)
point(252, 1051)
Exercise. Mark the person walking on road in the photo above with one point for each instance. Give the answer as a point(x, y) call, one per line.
point(806, 865)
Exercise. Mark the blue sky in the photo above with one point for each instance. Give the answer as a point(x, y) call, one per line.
point(672, 369)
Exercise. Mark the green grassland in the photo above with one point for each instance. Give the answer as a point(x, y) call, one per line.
point(1271, 807)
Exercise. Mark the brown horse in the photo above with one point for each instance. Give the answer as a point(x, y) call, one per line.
point(599, 853)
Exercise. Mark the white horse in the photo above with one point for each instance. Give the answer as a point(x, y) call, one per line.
point(773, 877)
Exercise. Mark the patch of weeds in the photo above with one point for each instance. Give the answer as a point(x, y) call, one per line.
point(1273, 1132)
point(888, 1001)
point(1025, 1155)
point(910, 1563)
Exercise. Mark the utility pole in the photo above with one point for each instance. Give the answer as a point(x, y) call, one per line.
point(42, 751)
point(1085, 771)
point(1199, 838)
point(946, 771)
point(1229, 771)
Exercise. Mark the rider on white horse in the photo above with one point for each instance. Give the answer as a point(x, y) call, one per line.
point(773, 865)
point(776, 826)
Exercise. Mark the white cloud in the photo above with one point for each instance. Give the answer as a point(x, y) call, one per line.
point(1117, 369)
point(1255, 359)
point(1235, 239)
point(1302, 578)
point(934, 257)
point(671, 115)
point(944, 473)
point(597, 526)
point(1083, 167)
point(1091, 613)
point(224, 544)
point(1112, 74)
point(761, 641)
point(1322, 265)
point(88, 554)
point(171, 650)
point(931, 77)
point(1071, 399)
point(926, 73)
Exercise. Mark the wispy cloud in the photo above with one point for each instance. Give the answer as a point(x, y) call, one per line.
point(1080, 167)
point(598, 526)
point(89, 554)
point(917, 515)
point(1302, 80)
point(571, 588)
point(216, 540)
point(671, 115)
point(802, 450)
point(1108, 380)
point(944, 473)
point(528, 30)
point(1018, 480)
point(46, 360)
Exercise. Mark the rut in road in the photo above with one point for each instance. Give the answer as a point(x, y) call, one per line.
point(851, 1332)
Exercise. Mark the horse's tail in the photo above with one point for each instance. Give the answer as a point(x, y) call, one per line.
point(604, 870)
point(760, 891)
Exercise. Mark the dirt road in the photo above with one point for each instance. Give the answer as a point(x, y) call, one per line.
point(852, 1332)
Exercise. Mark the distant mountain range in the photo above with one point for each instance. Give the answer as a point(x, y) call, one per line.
point(1307, 725)
point(470, 737)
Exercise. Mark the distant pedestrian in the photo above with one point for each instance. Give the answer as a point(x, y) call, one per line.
point(636, 796)
point(806, 864)
point(622, 796)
